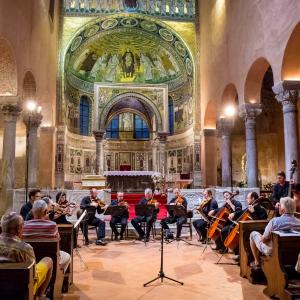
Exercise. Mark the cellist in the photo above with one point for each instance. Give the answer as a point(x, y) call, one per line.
point(255, 210)
point(234, 206)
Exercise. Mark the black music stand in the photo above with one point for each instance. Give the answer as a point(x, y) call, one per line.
point(178, 211)
point(161, 274)
point(116, 210)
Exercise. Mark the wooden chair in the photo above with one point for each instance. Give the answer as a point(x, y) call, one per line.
point(16, 281)
point(279, 268)
point(66, 244)
point(50, 248)
point(246, 227)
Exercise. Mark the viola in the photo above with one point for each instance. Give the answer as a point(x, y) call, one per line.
point(221, 219)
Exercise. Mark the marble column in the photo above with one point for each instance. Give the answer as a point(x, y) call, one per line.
point(32, 121)
point(155, 147)
point(249, 112)
point(287, 93)
point(225, 126)
point(98, 134)
point(162, 136)
point(10, 115)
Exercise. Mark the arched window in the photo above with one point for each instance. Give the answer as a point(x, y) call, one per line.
point(141, 130)
point(127, 126)
point(171, 117)
point(112, 131)
point(85, 115)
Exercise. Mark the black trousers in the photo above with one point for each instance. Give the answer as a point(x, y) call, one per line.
point(118, 220)
point(136, 223)
point(201, 227)
point(174, 219)
point(224, 233)
point(94, 222)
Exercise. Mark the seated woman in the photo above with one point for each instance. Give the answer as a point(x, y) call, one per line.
point(262, 244)
point(15, 250)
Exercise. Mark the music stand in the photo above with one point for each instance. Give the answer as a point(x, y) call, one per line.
point(115, 210)
point(178, 211)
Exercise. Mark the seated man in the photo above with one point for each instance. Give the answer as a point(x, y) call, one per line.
point(287, 221)
point(33, 195)
point(92, 203)
point(280, 189)
point(42, 228)
point(206, 209)
point(179, 220)
point(136, 222)
point(17, 251)
point(123, 219)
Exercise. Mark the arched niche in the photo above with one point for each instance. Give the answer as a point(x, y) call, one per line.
point(210, 117)
point(29, 87)
point(291, 58)
point(8, 70)
point(253, 83)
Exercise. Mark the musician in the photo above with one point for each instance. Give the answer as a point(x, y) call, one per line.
point(207, 207)
point(287, 221)
point(233, 206)
point(136, 222)
point(177, 200)
point(50, 209)
point(123, 219)
point(89, 202)
point(33, 195)
point(280, 189)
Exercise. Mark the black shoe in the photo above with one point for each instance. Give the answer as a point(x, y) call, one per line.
point(101, 243)
point(204, 241)
point(116, 238)
point(141, 238)
point(146, 239)
point(87, 242)
point(178, 238)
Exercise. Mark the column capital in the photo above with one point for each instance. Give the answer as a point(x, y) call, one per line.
point(11, 111)
point(162, 136)
point(249, 111)
point(32, 119)
point(225, 126)
point(99, 135)
point(287, 92)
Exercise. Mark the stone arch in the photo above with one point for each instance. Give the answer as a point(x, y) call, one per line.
point(210, 117)
point(253, 83)
point(291, 58)
point(229, 97)
point(8, 69)
point(147, 102)
point(29, 87)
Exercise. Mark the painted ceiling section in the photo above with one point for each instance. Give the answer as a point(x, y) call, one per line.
point(130, 49)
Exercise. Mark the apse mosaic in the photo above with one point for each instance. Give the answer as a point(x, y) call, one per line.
point(138, 50)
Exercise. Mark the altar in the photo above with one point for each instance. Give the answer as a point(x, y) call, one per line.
point(129, 181)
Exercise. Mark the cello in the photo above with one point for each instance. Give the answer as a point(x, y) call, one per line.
point(221, 219)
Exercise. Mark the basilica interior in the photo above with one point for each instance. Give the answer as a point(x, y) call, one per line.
point(125, 95)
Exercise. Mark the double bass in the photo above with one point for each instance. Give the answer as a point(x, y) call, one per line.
point(221, 219)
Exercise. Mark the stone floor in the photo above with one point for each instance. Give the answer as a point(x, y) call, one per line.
point(118, 271)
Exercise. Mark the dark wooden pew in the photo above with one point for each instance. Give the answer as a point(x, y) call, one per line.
point(66, 244)
point(50, 248)
point(16, 281)
point(279, 268)
point(246, 227)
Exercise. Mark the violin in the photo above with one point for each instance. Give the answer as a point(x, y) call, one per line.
point(232, 240)
point(179, 201)
point(153, 201)
point(101, 203)
point(66, 208)
point(221, 219)
point(123, 203)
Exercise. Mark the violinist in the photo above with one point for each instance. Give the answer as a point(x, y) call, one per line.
point(92, 201)
point(177, 200)
point(207, 208)
point(136, 222)
point(123, 219)
point(234, 206)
